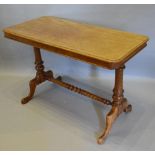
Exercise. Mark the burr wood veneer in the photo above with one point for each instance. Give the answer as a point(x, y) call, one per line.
point(104, 47)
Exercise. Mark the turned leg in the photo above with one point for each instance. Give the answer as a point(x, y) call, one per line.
point(119, 104)
point(40, 75)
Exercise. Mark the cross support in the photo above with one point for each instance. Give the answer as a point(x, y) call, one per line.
point(119, 103)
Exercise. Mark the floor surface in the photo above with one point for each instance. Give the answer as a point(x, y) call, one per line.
point(57, 119)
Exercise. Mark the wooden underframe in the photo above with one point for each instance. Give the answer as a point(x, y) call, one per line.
point(119, 103)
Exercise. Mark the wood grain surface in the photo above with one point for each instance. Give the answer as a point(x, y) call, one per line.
point(101, 46)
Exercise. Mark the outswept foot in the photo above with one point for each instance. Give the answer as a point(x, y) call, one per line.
point(34, 82)
point(112, 116)
point(26, 100)
point(32, 85)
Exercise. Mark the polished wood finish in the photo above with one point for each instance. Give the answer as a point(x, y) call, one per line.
point(119, 104)
point(80, 91)
point(39, 75)
point(42, 76)
point(103, 47)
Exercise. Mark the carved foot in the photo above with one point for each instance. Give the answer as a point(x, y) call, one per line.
point(26, 100)
point(110, 118)
point(32, 85)
point(34, 82)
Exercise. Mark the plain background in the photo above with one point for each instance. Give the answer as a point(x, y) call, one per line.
point(59, 120)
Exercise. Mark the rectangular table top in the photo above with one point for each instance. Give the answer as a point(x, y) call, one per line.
point(101, 46)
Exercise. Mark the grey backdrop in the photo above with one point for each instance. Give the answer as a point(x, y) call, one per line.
point(17, 58)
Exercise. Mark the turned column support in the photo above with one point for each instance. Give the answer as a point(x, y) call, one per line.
point(118, 97)
point(119, 104)
point(39, 78)
point(39, 66)
point(118, 87)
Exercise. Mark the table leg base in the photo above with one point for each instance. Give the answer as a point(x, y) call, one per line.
point(32, 85)
point(119, 103)
point(115, 111)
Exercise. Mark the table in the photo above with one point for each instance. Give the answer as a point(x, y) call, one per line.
point(104, 47)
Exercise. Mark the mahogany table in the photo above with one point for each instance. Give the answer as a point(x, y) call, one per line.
point(104, 47)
